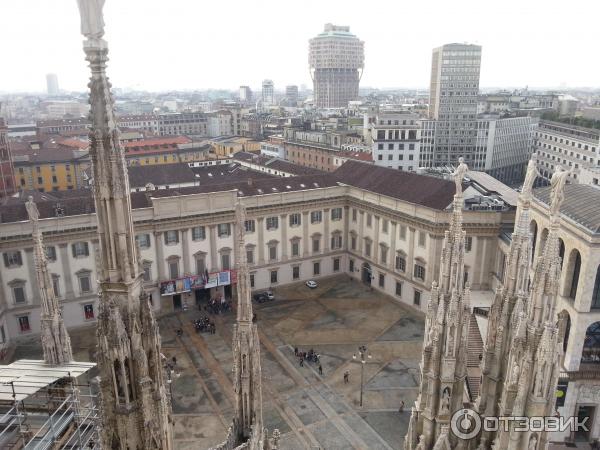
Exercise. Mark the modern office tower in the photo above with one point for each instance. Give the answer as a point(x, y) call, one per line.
point(268, 92)
point(291, 94)
point(336, 60)
point(52, 84)
point(245, 94)
point(453, 102)
point(7, 176)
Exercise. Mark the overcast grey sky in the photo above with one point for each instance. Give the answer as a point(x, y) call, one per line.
point(198, 44)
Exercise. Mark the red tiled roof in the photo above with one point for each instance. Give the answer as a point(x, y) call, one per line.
point(76, 143)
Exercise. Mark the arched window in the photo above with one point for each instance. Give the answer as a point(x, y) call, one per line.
point(564, 330)
point(575, 275)
point(591, 345)
point(533, 230)
point(561, 251)
point(596, 293)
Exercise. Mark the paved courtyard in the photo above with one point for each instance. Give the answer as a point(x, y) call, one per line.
point(310, 410)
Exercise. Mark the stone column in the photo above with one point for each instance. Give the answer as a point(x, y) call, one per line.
point(392, 256)
point(376, 220)
point(327, 237)
point(345, 231)
point(212, 235)
point(65, 261)
point(361, 229)
point(35, 288)
point(260, 223)
point(411, 253)
point(305, 238)
point(476, 271)
point(185, 250)
point(284, 240)
point(160, 257)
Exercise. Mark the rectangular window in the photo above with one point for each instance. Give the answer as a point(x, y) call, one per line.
point(336, 214)
point(336, 264)
point(252, 280)
point(250, 256)
point(381, 280)
point(173, 269)
point(351, 266)
point(468, 243)
point(402, 232)
point(316, 245)
point(384, 225)
point(295, 248)
point(400, 263)
point(354, 213)
point(398, 288)
point(13, 259)
point(250, 226)
point(224, 230)
point(295, 272)
point(417, 298)
point(422, 238)
point(171, 237)
point(88, 312)
point(336, 241)
point(225, 261)
point(19, 294)
point(143, 240)
point(273, 276)
point(51, 253)
point(353, 242)
point(316, 268)
point(56, 286)
point(316, 216)
point(198, 233)
point(80, 249)
point(272, 223)
point(295, 220)
point(200, 266)
point(23, 324)
point(419, 272)
point(383, 254)
point(272, 253)
point(367, 248)
point(84, 284)
point(147, 272)
point(369, 220)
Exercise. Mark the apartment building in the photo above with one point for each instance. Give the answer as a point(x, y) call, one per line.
point(396, 140)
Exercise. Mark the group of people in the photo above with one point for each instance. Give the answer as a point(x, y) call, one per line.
point(218, 305)
point(311, 356)
point(204, 324)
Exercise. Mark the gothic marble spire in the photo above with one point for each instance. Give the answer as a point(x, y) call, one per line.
point(534, 353)
point(509, 302)
point(246, 346)
point(56, 343)
point(135, 410)
point(443, 363)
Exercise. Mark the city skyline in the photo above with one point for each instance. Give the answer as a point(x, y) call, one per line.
point(397, 47)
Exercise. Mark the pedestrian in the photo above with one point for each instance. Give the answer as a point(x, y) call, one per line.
point(296, 351)
point(346, 377)
point(320, 369)
point(401, 409)
point(302, 361)
point(174, 361)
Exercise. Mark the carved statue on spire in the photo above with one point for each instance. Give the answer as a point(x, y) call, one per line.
point(459, 174)
point(530, 176)
point(557, 182)
point(32, 211)
point(92, 22)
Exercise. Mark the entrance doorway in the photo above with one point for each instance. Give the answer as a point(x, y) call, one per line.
point(228, 292)
point(584, 411)
point(366, 274)
point(177, 302)
point(201, 296)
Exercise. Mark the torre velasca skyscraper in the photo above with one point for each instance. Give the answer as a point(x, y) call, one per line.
point(336, 59)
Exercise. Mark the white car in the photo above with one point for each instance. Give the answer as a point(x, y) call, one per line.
point(311, 284)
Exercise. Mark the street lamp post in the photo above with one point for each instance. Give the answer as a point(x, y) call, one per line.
point(363, 354)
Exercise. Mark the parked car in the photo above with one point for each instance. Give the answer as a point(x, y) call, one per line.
point(312, 284)
point(262, 297)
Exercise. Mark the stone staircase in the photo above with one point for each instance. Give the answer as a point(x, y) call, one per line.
point(474, 351)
